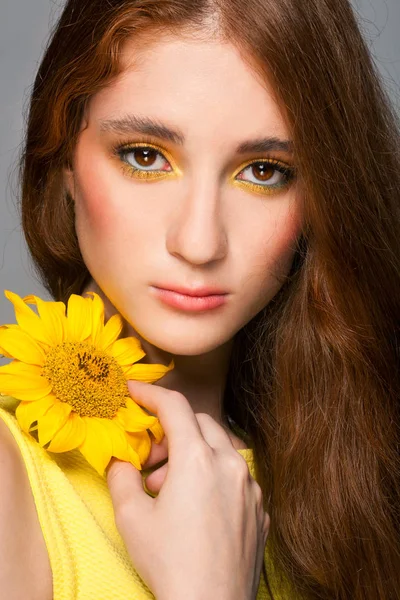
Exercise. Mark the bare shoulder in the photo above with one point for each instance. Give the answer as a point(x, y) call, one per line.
point(25, 570)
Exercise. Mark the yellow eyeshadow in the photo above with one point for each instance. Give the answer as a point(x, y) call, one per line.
point(148, 175)
point(152, 175)
point(266, 190)
point(156, 175)
point(259, 189)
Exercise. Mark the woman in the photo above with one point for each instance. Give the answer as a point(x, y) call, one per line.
point(247, 147)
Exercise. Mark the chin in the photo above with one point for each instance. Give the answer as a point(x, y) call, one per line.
point(184, 346)
point(189, 341)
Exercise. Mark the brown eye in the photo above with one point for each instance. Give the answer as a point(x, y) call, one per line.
point(262, 171)
point(144, 156)
point(269, 174)
point(140, 157)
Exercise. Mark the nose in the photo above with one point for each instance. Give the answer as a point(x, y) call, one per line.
point(196, 232)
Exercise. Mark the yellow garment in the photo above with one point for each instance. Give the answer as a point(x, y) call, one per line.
point(87, 555)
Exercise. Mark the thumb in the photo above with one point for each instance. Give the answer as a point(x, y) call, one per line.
point(128, 496)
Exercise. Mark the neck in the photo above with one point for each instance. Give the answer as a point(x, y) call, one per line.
point(201, 379)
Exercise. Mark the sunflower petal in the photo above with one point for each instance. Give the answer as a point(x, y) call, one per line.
point(28, 412)
point(27, 319)
point(54, 419)
point(70, 436)
point(4, 327)
point(127, 351)
point(23, 381)
point(121, 449)
point(148, 373)
point(17, 367)
point(53, 318)
point(97, 445)
point(20, 345)
point(97, 307)
point(141, 443)
point(111, 331)
point(2, 350)
point(157, 431)
point(79, 318)
point(133, 418)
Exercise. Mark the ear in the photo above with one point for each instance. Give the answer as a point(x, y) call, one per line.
point(69, 181)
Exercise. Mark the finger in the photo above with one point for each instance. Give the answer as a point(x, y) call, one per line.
point(126, 486)
point(158, 453)
point(266, 525)
point(213, 433)
point(155, 480)
point(175, 413)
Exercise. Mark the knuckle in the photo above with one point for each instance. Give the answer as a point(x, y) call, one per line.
point(176, 396)
point(237, 464)
point(200, 454)
point(266, 525)
point(204, 417)
point(258, 493)
point(121, 514)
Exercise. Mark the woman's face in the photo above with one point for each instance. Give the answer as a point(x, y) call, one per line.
point(189, 208)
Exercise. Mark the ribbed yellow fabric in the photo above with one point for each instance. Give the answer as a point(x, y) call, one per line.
point(87, 555)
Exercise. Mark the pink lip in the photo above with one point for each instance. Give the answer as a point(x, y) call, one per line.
point(190, 302)
point(200, 291)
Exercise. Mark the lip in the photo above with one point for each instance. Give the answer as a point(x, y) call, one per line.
point(190, 302)
point(194, 291)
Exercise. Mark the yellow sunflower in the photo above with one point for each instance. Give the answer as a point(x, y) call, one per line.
point(70, 373)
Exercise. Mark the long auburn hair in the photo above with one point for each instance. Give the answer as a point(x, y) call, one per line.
point(314, 377)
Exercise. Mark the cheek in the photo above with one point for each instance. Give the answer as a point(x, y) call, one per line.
point(93, 214)
point(284, 244)
point(95, 210)
point(112, 224)
point(273, 254)
point(106, 207)
point(277, 239)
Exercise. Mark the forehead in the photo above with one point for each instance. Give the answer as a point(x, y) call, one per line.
point(206, 88)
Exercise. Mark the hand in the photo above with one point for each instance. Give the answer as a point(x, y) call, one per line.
point(204, 535)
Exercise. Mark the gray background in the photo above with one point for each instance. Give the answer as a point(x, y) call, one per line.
point(24, 29)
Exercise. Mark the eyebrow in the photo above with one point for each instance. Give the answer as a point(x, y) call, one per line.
point(153, 127)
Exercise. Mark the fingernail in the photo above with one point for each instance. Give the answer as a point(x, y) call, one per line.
point(134, 383)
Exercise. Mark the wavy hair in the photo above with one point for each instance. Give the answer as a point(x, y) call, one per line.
point(314, 377)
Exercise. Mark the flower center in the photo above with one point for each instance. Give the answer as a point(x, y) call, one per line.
point(90, 380)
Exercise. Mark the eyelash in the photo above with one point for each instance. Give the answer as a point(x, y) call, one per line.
point(287, 171)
